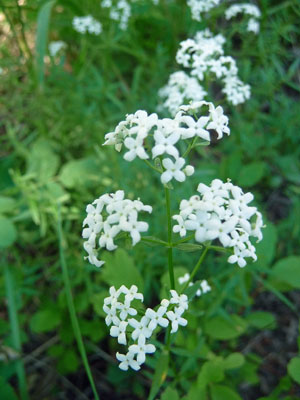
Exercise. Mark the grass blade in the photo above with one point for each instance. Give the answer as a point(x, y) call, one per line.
point(43, 21)
point(14, 323)
point(71, 307)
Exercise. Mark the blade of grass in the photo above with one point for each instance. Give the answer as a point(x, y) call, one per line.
point(71, 307)
point(15, 327)
point(43, 21)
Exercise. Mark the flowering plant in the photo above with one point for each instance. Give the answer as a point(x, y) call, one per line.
point(220, 212)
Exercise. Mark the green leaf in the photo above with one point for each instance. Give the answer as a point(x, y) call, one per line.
point(261, 320)
point(7, 392)
point(42, 160)
point(45, 320)
point(84, 172)
point(294, 369)
point(225, 329)
point(189, 247)
point(7, 204)
point(68, 362)
point(8, 233)
point(234, 360)
point(211, 371)
point(251, 173)
point(287, 270)
point(120, 270)
point(170, 394)
point(221, 392)
point(160, 374)
point(265, 250)
point(43, 21)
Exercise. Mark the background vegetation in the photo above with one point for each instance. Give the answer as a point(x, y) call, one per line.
point(242, 339)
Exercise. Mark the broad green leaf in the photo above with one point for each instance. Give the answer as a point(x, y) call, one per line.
point(7, 204)
point(6, 391)
point(211, 371)
point(224, 329)
point(261, 320)
point(160, 374)
point(68, 362)
point(265, 249)
point(170, 394)
point(120, 270)
point(287, 270)
point(251, 173)
point(222, 392)
point(8, 233)
point(234, 360)
point(294, 369)
point(42, 161)
point(83, 173)
point(45, 320)
point(43, 22)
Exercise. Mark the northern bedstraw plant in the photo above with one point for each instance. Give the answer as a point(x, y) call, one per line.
point(217, 218)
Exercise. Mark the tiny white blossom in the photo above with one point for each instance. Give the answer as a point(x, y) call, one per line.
point(176, 319)
point(173, 170)
point(127, 361)
point(119, 330)
point(141, 349)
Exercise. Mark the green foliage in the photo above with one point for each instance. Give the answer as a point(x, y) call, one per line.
point(52, 123)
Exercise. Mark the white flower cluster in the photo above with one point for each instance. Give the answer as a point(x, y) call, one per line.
point(108, 216)
point(120, 10)
point(248, 9)
point(87, 24)
point(139, 130)
point(205, 288)
point(118, 308)
point(221, 211)
point(199, 7)
point(204, 54)
point(55, 47)
point(180, 89)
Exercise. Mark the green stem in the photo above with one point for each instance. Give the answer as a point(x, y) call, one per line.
point(170, 249)
point(152, 166)
point(191, 145)
point(197, 266)
point(14, 323)
point(70, 302)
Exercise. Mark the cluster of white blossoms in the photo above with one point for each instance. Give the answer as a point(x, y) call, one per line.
point(120, 311)
point(106, 217)
point(141, 132)
point(204, 286)
point(87, 24)
point(199, 7)
point(221, 211)
point(248, 9)
point(205, 54)
point(180, 89)
point(55, 47)
point(119, 10)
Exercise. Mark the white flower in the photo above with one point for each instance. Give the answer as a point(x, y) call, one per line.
point(125, 309)
point(222, 212)
point(176, 319)
point(56, 47)
point(87, 24)
point(141, 349)
point(200, 6)
point(181, 300)
point(156, 317)
point(173, 170)
point(165, 144)
point(132, 293)
point(219, 121)
point(127, 361)
point(119, 330)
point(136, 149)
point(140, 327)
point(109, 215)
point(184, 278)
point(205, 286)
